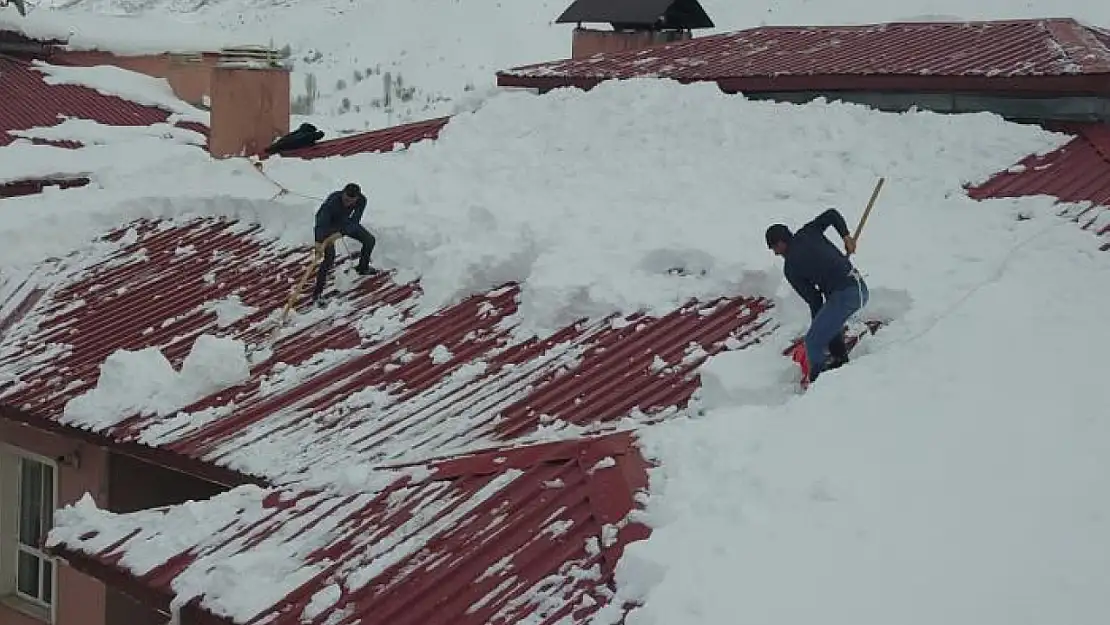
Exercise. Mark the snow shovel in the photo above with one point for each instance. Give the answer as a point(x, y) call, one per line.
point(317, 256)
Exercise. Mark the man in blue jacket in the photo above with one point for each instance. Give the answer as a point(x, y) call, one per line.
point(341, 213)
point(824, 277)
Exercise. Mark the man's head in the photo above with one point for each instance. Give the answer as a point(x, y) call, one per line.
point(351, 193)
point(778, 239)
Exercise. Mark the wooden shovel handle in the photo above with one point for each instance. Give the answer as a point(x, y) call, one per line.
point(867, 211)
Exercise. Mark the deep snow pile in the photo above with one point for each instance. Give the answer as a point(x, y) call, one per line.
point(144, 382)
point(954, 474)
point(950, 474)
point(445, 52)
point(590, 200)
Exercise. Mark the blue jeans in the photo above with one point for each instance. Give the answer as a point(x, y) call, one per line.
point(828, 324)
point(357, 232)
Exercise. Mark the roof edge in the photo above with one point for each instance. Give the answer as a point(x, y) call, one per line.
point(134, 587)
point(151, 455)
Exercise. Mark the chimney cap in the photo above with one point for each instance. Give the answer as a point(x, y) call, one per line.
point(253, 57)
point(639, 14)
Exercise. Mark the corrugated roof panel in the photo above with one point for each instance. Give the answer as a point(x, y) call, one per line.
point(520, 535)
point(327, 397)
point(29, 102)
point(382, 140)
point(1077, 172)
point(1002, 49)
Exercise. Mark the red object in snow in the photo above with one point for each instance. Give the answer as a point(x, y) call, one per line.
point(799, 356)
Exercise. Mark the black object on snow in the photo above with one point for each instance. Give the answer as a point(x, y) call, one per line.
point(303, 137)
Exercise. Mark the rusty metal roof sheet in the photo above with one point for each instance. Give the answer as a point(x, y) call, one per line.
point(29, 102)
point(1078, 172)
point(999, 55)
point(382, 140)
point(363, 386)
point(513, 536)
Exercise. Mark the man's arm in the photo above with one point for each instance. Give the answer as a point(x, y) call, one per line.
point(334, 213)
point(807, 291)
point(830, 218)
point(360, 206)
point(833, 218)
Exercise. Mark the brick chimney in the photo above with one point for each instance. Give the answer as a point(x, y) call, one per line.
point(635, 25)
point(588, 42)
point(249, 102)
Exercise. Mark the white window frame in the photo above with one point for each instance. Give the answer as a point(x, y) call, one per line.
point(11, 459)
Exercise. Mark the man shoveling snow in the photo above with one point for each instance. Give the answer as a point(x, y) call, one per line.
point(824, 277)
point(341, 213)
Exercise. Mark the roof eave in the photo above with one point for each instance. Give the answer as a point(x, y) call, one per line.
point(134, 587)
point(152, 455)
point(1056, 86)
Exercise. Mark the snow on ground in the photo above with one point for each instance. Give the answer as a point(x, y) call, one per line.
point(439, 53)
point(953, 474)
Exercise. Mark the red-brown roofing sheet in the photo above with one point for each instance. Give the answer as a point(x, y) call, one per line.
point(523, 535)
point(327, 396)
point(995, 50)
point(1078, 172)
point(29, 102)
point(383, 140)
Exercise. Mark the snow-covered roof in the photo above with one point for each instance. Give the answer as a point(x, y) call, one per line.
point(372, 382)
point(380, 140)
point(1008, 55)
point(456, 379)
point(524, 535)
point(1078, 172)
point(45, 95)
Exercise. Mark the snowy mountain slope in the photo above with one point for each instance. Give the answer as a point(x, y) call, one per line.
point(440, 54)
point(964, 446)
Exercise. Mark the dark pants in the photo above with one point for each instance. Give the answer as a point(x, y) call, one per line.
point(827, 328)
point(358, 233)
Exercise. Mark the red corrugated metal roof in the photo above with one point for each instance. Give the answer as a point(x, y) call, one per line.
point(523, 535)
point(382, 140)
point(29, 102)
point(916, 55)
point(384, 398)
point(1078, 172)
point(19, 292)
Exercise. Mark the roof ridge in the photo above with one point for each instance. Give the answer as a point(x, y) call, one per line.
point(1099, 138)
point(1072, 38)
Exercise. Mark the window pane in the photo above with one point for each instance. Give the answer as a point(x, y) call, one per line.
point(47, 512)
point(27, 576)
point(30, 502)
point(47, 581)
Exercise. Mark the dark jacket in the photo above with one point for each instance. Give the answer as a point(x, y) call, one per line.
point(333, 217)
point(813, 265)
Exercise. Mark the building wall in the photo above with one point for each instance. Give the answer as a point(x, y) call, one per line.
point(190, 76)
point(117, 483)
point(78, 599)
point(250, 109)
point(137, 485)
